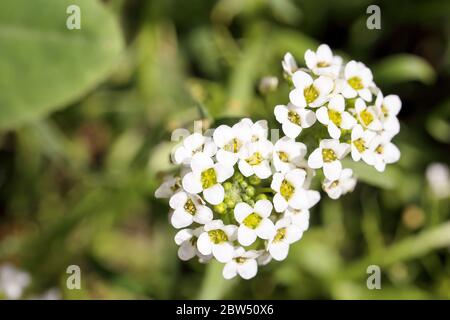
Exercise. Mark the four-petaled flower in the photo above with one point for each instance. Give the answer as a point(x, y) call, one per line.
point(328, 156)
point(310, 92)
point(335, 117)
point(293, 119)
point(286, 234)
point(216, 239)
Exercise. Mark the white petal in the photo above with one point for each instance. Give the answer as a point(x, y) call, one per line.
point(245, 168)
point(178, 200)
point(248, 269)
point(293, 233)
point(223, 252)
point(394, 104)
point(223, 172)
point(308, 118)
point(324, 53)
point(204, 244)
point(263, 208)
point(365, 94)
point(186, 251)
point(277, 179)
point(296, 176)
point(246, 236)
point(279, 250)
point(279, 203)
point(181, 154)
point(203, 215)
point(181, 218)
point(182, 236)
point(222, 135)
point(281, 113)
point(201, 162)
point(334, 131)
point(241, 211)
point(337, 103)
point(301, 79)
point(215, 194)
point(291, 130)
point(297, 98)
point(324, 85)
point(348, 121)
point(226, 158)
point(315, 160)
point(229, 270)
point(332, 170)
point(299, 199)
point(263, 170)
point(266, 229)
point(391, 153)
point(191, 183)
point(322, 115)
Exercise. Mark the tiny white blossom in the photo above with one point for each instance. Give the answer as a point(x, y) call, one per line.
point(187, 240)
point(288, 154)
point(360, 145)
point(286, 234)
point(289, 64)
point(13, 281)
point(328, 156)
point(191, 145)
point(243, 264)
point(230, 140)
point(322, 62)
point(438, 177)
point(335, 117)
point(346, 183)
point(293, 119)
point(216, 239)
point(289, 188)
point(188, 209)
point(254, 159)
point(310, 92)
point(254, 222)
point(299, 217)
point(387, 109)
point(206, 177)
point(358, 80)
point(384, 151)
point(168, 188)
point(367, 116)
point(259, 130)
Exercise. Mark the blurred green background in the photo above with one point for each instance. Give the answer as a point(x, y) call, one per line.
point(85, 123)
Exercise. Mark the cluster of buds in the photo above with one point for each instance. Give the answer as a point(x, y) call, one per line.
point(243, 199)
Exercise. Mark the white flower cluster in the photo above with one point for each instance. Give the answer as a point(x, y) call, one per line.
point(243, 199)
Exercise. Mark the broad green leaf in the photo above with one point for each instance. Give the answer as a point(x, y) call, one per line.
point(44, 65)
point(402, 68)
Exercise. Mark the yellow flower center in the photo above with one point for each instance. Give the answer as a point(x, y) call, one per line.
point(189, 206)
point(334, 184)
point(208, 178)
point(335, 117)
point(385, 110)
point(233, 146)
point(328, 155)
point(322, 64)
point(286, 189)
point(280, 235)
point(217, 236)
point(360, 145)
point(294, 117)
point(283, 156)
point(252, 220)
point(255, 159)
point(310, 93)
point(240, 260)
point(355, 83)
point(366, 117)
point(379, 149)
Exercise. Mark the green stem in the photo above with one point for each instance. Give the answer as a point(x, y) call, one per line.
point(214, 285)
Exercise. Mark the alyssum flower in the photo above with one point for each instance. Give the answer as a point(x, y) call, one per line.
point(243, 198)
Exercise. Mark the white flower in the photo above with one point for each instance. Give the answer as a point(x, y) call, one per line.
point(258, 130)
point(206, 176)
point(299, 217)
point(188, 209)
point(243, 264)
point(438, 177)
point(322, 62)
point(367, 116)
point(217, 240)
point(290, 191)
point(335, 117)
point(187, 240)
point(286, 234)
point(13, 281)
point(230, 140)
point(254, 159)
point(289, 64)
point(309, 92)
point(358, 79)
point(191, 145)
point(387, 109)
point(346, 183)
point(288, 154)
point(384, 151)
point(170, 185)
point(293, 119)
point(254, 222)
point(327, 156)
point(360, 145)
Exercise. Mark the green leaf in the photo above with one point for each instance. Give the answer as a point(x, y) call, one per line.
point(402, 68)
point(44, 65)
